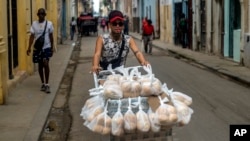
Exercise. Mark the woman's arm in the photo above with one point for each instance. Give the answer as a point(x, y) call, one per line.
point(137, 52)
point(97, 55)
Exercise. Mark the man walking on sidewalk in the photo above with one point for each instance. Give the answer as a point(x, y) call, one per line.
point(42, 32)
point(148, 35)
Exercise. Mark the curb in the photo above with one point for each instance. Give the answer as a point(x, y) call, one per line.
point(214, 70)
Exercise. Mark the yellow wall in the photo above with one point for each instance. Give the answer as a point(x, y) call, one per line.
point(22, 33)
point(166, 23)
point(3, 52)
point(52, 16)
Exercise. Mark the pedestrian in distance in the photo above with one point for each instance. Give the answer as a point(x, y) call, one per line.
point(78, 23)
point(113, 48)
point(147, 36)
point(43, 53)
point(144, 22)
point(126, 25)
point(103, 24)
point(72, 28)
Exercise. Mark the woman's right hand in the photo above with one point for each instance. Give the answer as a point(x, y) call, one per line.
point(96, 69)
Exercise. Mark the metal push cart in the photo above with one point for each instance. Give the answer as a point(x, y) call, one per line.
point(165, 134)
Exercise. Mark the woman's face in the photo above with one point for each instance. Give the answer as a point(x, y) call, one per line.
point(117, 26)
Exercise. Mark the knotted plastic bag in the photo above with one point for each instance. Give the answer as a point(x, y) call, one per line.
point(143, 123)
point(130, 120)
point(117, 123)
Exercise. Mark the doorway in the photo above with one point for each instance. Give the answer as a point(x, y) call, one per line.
point(203, 26)
point(177, 15)
point(12, 36)
point(234, 28)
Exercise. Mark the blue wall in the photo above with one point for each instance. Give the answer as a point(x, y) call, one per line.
point(149, 10)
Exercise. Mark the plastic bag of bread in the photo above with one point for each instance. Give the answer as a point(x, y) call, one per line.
point(130, 87)
point(109, 83)
point(181, 97)
point(154, 123)
point(166, 90)
point(143, 123)
point(101, 124)
point(129, 120)
point(93, 112)
point(92, 105)
point(124, 73)
point(112, 90)
point(135, 85)
point(183, 112)
point(150, 86)
point(114, 77)
point(166, 113)
point(117, 122)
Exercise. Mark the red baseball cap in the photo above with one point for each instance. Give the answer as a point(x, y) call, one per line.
point(115, 15)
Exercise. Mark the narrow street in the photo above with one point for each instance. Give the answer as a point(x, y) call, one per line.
point(200, 48)
point(217, 102)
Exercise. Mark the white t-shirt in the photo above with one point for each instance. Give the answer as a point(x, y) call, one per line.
point(73, 22)
point(38, 28)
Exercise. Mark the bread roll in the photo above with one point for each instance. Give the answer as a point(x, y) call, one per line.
point(97, 128)
point(94, 113)
point(117, 124)
point(110, 82)
point(173, 118)
point(113, 91)
point(126, 86)
point(182, 97)
point(136, 87)
point(143, 123)
point(114, 77)
point(129, 122)
point(106, 131)
point(154, 125)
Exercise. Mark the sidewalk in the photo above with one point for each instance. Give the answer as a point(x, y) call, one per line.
point(27, 108)
point(218, 65)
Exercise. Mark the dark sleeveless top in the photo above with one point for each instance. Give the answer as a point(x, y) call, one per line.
point(112, 48)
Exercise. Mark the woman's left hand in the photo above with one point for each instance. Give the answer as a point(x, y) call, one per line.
point(145, 63)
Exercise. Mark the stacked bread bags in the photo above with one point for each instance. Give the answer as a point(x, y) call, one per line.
point(172, 110)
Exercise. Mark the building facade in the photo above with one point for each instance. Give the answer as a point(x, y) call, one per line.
point(220, 27)
point(215, 27)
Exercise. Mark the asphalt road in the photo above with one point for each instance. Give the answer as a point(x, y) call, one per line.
point(217, 102)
